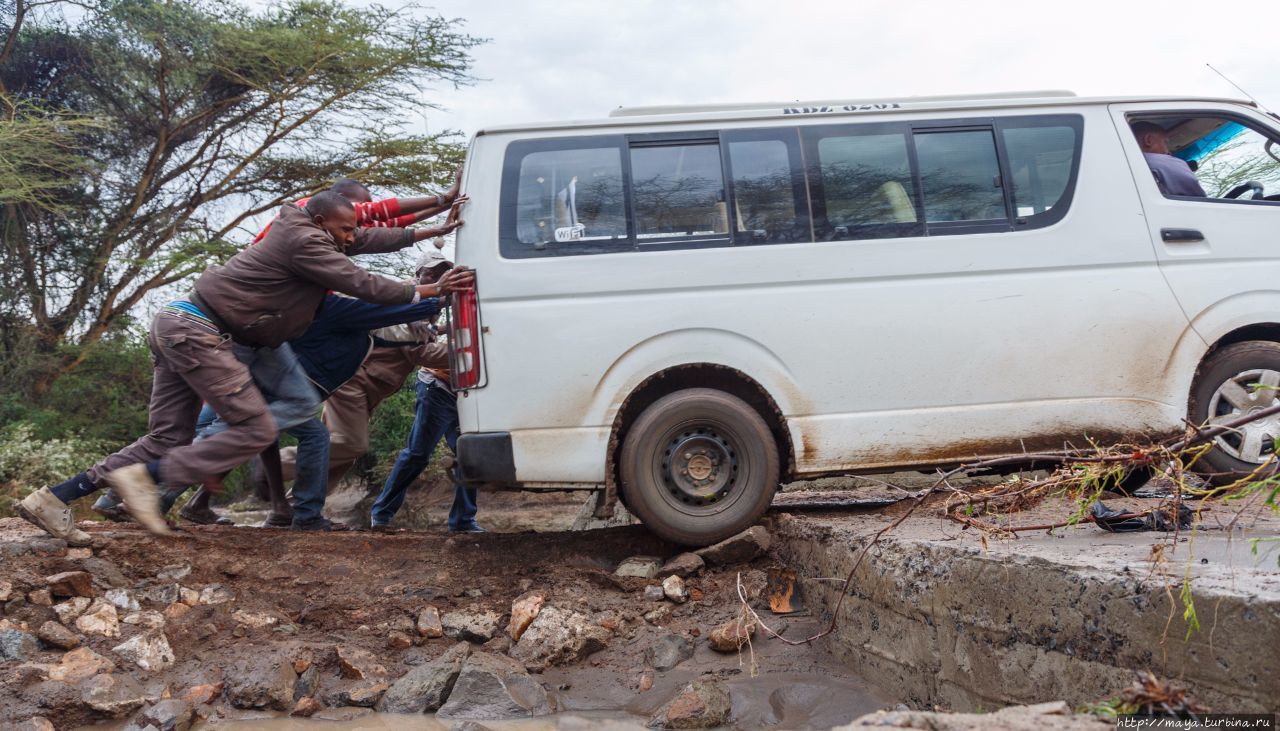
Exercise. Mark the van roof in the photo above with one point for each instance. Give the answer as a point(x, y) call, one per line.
point(685, 114)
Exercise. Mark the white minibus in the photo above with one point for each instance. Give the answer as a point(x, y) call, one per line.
point(688, 306)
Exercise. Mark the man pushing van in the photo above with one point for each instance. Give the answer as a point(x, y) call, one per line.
point(262, 297)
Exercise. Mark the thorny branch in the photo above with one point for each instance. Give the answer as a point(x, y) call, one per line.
point(1185, 449)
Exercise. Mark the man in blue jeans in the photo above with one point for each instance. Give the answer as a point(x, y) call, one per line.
point(328, 354)
point(436, 416)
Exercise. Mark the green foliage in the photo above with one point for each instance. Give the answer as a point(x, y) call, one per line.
point(204, 114)
point(102, 398)
point(28, 462)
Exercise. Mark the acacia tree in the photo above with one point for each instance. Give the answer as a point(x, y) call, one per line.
point(177, 120)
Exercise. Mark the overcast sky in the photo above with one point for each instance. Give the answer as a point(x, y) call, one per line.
point(574, 59)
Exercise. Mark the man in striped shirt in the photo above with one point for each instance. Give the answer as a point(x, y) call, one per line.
point(389, 212)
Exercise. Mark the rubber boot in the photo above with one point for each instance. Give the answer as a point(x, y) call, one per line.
point(44, 509)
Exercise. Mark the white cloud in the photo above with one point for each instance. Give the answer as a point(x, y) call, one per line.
point(572, 59)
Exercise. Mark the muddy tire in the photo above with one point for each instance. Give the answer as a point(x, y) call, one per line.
point(698, 466)
point(1236, 380)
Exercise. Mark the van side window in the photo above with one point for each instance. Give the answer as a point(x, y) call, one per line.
point(678, 191)
point(570, 197)
point(865, 184)
point(768, 189)
point(1040, 164)
point(960, 176)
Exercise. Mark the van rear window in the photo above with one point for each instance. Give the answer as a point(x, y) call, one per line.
point(570, 197)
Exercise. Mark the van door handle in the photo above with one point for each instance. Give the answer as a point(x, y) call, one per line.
point(1180, 235)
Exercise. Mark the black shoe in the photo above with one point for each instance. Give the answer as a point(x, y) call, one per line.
point(278, 520)
point(321, 524)
point(472, 528)
point(203, 517)
point(111, 509)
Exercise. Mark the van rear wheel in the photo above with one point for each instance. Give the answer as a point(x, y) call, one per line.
point(698, 466)
point(1239, 379)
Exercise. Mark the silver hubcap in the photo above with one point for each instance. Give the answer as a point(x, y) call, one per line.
point(1247, 393)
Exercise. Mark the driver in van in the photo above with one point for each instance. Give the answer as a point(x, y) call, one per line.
point(1173, 175)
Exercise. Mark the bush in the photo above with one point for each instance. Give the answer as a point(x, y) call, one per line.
point(28, 463)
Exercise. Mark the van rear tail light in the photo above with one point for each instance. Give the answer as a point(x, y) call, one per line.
point(464, 341)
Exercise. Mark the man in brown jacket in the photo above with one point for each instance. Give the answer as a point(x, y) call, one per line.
point(263, 296)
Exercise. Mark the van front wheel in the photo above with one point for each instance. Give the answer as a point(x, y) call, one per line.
point(698, 466)
point(1237, 380)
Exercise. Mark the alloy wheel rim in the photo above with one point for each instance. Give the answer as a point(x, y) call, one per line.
point(1248, 392)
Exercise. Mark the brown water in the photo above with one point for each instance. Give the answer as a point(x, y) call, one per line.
point(773, 700)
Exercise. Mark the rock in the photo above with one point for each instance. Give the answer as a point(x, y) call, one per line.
point(200, 695)
point(426, 687)
point(358, 663)
point(35, 723)
point(121, 599)
point(149, 651)
point(523, 611)
point(17, 645)
point(704, 703)
point(500, 644)
point(176, 610)
point(429, 623)
point(653, 593)
point(731, 636)
point(559, 636)
point(105, 573)
point(495, 687)
point(172, 714)
point(661, 615)
point(165, 594)
point(745, 546)
point(459, 726)
point(216, 594)
point(308, 683)
point(668, 652)
point(174, 572)
point(363, 694)
point(645, 682)
point(113, 694)
point(257, 682)
point(41, 598)
point(474, 626)
point(70, 583)
point(682, 565)
point(6, 591)
point(674, 589)
point(303, 663)
point(147, 620)
point(99, 619)
point(79, 553)
point(305, 707)
point(397, 640)
point(55, 635)
point(78, 665)
point(640, 567)
point(256, 620)
point(70, 609)
point(190, 597)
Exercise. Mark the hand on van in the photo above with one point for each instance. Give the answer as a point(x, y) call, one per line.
point(420, 234)
point(455, 280)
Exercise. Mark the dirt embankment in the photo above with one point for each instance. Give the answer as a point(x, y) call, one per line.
point(229, 622)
